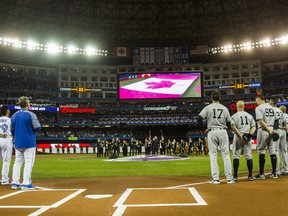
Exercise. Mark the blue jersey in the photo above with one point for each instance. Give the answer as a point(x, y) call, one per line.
point(24, 126)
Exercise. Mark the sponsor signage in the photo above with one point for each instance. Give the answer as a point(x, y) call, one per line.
point(248, 106)
point(77, 110)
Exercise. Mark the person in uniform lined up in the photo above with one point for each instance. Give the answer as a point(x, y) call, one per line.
point(266, 118)
point(218, 119)
point(243, 126)
point(6, 145)
point(285, 118)
point(281, 145)
point(24, 126)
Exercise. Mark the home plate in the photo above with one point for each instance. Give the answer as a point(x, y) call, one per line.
point(98, 196)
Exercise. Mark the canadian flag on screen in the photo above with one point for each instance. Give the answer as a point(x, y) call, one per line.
point(156, 85)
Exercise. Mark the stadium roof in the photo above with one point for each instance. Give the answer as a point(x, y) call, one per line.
point(134, 23)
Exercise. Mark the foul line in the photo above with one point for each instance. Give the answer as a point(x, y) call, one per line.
point(11, 194)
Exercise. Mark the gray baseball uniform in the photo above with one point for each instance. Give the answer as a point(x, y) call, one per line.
point(285, 117)
point(280, 144)
point(267, 114)
point(217, 117)
point(243, 122)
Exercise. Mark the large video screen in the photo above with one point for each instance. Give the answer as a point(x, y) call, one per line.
point(164, 85)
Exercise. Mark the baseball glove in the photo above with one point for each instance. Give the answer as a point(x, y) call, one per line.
point(246, 137)
point(275, 137)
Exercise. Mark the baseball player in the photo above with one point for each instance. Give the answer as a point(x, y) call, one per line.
point(24, 126)
point(6, 144)
point(243, 125)
point(283, 138)
point(265, 117)
point(218, 119)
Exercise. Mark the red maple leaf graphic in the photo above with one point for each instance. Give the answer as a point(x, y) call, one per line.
point(162, 84)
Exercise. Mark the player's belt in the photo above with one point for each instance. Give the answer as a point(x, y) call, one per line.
point(217, 128)
point(267, 126)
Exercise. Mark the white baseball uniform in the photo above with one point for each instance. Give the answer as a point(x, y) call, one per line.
point(6, 146)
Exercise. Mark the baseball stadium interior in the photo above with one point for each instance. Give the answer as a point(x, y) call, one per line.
point(83, 65)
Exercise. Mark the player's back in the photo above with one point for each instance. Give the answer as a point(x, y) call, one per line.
point(279, 115)
point(217, 115)
point(266, 113)
point(243, 121)
point(5, 125)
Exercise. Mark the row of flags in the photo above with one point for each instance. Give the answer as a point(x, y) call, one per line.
point(154, 55)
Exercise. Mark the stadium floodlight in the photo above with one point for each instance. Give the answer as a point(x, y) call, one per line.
point(52, 48)
point(90, 51)
point(16, 43)
point(227, 48)
point(247, 46)
point(283, 40)
point(265, 42)
point(72, 49)
point(31, 45)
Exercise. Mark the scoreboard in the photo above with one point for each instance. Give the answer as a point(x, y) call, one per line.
point(80, 89)
point(241, 85)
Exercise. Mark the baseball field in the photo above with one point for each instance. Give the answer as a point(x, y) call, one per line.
point(82, 184)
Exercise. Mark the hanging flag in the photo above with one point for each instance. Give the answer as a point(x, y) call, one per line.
point(121, 51)
point(149, 135)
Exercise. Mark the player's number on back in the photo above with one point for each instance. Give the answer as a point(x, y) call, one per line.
point(269, 112)
point(244, 121)
point(4, 127)
point(217, 113)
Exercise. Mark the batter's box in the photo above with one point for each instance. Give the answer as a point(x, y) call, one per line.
point(157, 197)
point(41, 200)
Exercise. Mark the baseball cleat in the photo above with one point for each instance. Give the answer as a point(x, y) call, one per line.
point(16, 186)
point(28, 187)
point(259, 176)
point(250, 178)
point(214, 181)
point(284, 173)
point(274, 176)
point(8, 182)
point(230, 181)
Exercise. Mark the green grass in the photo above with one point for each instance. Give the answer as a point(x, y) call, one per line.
point(80, 166)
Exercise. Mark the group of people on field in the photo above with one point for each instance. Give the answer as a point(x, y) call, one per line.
point(20, 129)
point(270, 124)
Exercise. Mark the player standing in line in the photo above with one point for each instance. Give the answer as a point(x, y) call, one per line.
point(285, 116)
point(6, 144)
point(218, 119)
point(24, 126)
point(243, 125)
point(282, 131)
point(266, 118)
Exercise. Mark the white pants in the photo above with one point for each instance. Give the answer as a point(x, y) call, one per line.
point(219, 138)
point(27, 155)
point(240, 147)
point(6, 147)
